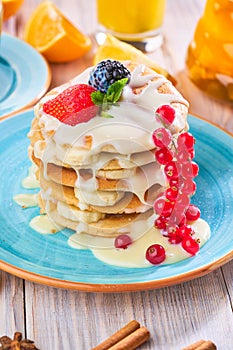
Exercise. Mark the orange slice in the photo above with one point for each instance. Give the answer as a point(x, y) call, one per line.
point(119, 50)
point(54, 36)
point(10, 7)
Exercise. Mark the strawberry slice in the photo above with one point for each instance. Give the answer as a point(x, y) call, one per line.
point(73, 105)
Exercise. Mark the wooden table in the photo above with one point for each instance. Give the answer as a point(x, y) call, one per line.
point(176, 316)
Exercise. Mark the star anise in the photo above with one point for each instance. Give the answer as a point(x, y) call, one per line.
point(17, 343)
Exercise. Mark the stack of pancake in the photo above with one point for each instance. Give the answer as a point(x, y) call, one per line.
point(101, 177)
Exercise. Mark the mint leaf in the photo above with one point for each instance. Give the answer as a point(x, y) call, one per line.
point(112, 96)
point(115, 90)
point(106, 115)
point(97, 97)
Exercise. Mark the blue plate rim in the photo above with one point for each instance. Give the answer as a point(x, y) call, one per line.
point(121, 287)
point(40, 92)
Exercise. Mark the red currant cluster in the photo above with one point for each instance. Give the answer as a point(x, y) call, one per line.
point(172, 206)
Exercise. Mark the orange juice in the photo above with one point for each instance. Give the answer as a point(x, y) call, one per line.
point(131, 20)
point(210, 54)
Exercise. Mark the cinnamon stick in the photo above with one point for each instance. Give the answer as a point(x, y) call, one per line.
point(132, 341)
point(119, 335)
point(201, 345)
point(207, 345)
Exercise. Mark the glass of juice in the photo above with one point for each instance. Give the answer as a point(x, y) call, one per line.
point(210, 54)
point(138, 22)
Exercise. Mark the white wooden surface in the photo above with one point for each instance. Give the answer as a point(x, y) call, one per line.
point(176, 316)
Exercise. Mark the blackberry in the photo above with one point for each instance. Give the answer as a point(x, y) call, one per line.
point(106, 73)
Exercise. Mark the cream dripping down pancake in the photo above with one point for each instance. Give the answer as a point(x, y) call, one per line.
point(122, 165)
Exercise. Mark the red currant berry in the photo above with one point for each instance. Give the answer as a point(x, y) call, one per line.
point(160, 223)
point(186, 139)
point(195, 168)
point(177, 217)
point(171, 229)
point(166, 113)
point(155, 254)
point(171, 193)
point(162, 137)
point(159, 204)
point(182, 221)
point(189, 187)
point(193, 213)
point(182, 156)
point(189, 170)
point(175, 238)
point(175, 182)
point(163, 156)
point(190, 245)
point(167, 209)
point(123, 241)
point(186, 231)
point(191, 153)
point(182, 201)
point(171, 170)
point(163, 207)
point(173, 235)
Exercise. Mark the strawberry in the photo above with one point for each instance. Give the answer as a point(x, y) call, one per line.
point(73, 105)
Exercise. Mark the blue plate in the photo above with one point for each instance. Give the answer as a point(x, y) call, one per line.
point(24, 75)
point(49, 260)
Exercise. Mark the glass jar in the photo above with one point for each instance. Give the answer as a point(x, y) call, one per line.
point(138, 22)
point(210, 54)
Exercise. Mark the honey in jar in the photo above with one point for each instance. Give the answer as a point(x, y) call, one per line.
point(210, 54)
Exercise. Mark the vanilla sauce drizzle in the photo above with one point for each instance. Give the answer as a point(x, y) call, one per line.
point(129, 134)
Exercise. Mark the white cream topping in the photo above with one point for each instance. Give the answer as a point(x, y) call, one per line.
point(142, 232)
point(144, 177)
point(136, 228)
point(130, 129)
point(127, 137)
point(43, 224)
point(127, 133)
point(26, 200)
point(31, 181)
point(134, 255)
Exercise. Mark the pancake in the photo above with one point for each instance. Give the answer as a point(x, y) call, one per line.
point(144, 178)
point(110, 225)
point(101, 177)
point(109, 202)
